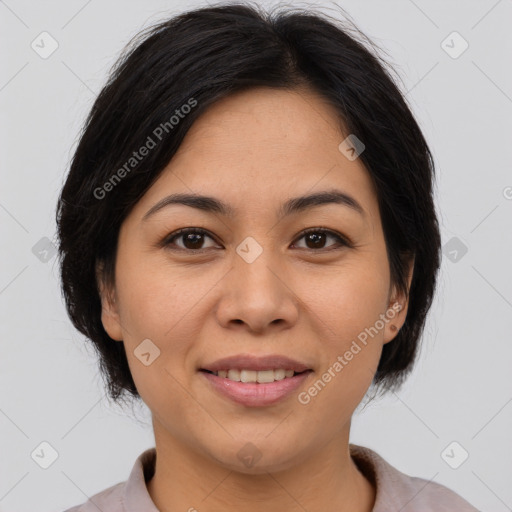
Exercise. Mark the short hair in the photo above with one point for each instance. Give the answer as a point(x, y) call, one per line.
point(197, 58)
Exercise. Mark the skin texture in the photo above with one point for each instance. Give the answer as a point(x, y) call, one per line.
point(254, 150)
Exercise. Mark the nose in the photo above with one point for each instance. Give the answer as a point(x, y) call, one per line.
point(258, 296)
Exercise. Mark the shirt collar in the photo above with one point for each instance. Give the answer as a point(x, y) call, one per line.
point(135, 495)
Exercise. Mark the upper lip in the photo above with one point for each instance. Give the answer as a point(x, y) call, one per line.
point(256, 363)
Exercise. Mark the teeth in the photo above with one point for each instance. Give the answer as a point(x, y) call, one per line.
point(233, 375)
point(262, 377)
point(248, 375)
point(281, 374)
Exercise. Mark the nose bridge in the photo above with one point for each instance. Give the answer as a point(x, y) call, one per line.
point(255, 263)
point(257, 293)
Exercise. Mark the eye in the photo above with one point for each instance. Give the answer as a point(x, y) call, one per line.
point(192, 239)
point(315, 239)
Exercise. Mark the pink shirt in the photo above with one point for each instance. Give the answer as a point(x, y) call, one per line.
point(396, 491)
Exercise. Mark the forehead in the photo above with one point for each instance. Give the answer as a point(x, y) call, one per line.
point(264, 123)
point(258, 147)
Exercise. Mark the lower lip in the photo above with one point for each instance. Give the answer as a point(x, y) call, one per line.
point(253, 394)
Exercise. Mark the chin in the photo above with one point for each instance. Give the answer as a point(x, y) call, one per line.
point(256, 457)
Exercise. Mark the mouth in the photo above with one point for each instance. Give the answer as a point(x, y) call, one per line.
point(255, 376)
point(255, 380)
point(260, 387)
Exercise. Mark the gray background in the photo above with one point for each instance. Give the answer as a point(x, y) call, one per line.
point(50, 388)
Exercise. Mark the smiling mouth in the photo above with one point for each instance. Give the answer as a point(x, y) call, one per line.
point(254, 376)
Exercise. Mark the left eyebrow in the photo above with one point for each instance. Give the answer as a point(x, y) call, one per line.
point(291, 206)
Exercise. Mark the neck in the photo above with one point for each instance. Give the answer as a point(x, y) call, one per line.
point(328, 480)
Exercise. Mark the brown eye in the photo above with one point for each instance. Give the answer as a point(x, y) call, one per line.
point(192, 239)
point(316, 238)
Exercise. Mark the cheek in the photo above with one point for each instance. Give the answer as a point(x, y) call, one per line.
point(155, 307)
point(154, 296)
point(348, 309)
point(350, 299)
point(350, 353)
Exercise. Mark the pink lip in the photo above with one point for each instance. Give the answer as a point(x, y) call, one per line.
point(253, 394)
point(250, 362)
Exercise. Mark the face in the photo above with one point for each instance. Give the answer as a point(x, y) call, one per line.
point(250, 282)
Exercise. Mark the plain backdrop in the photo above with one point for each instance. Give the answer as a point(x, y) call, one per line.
point(460, 391)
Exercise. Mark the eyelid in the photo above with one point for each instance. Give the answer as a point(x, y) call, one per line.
point(342, 240)
point(166, 242)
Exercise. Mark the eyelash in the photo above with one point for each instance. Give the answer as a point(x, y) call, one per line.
point(167, 242)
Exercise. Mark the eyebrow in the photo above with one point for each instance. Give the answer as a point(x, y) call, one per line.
point(294, 205)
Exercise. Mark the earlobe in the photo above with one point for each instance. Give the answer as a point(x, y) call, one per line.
point(395, 316)
point(109, 307)
point(398, 308)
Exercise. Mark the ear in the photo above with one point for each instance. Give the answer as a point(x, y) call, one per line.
point(397, 308)
point(109, 308)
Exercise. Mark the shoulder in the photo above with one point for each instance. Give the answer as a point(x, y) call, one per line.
point(397, 491)
point(107, 500)
point(129, 495)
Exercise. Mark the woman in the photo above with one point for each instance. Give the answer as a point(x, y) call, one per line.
point(248, 236)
